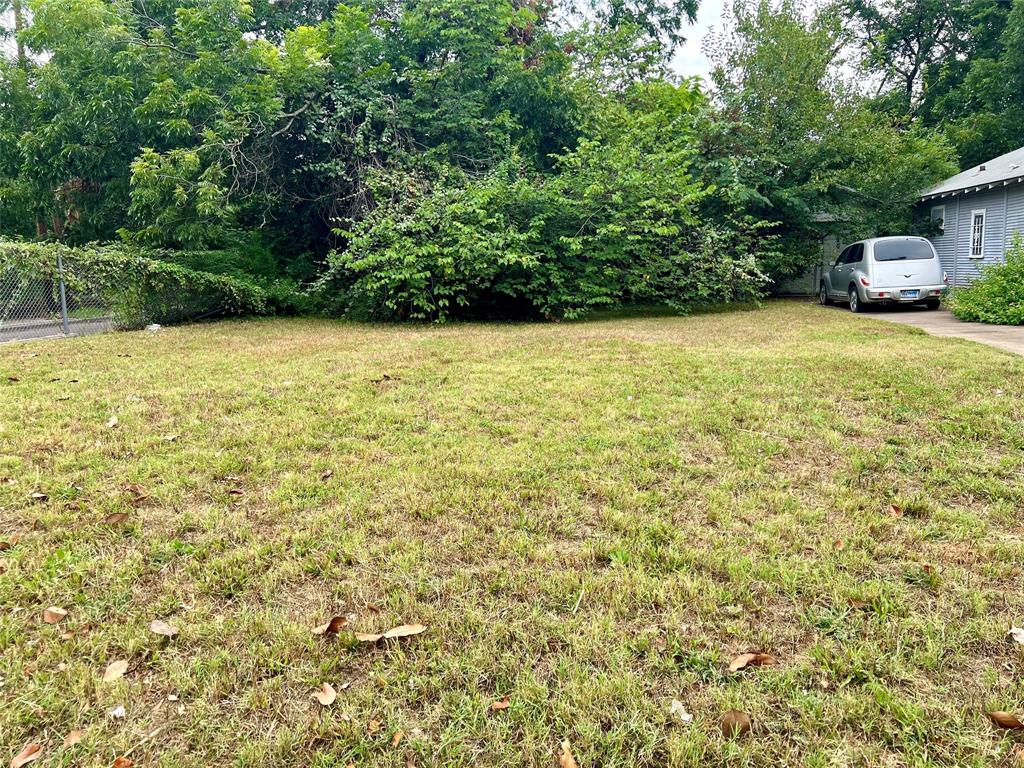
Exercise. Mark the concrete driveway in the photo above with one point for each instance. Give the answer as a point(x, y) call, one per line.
point(942, 323)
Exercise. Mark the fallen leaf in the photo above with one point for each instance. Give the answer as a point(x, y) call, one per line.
point(326, 474)
point(39, 496)
point(73, 738)
point(1006, 720)
point(895, 511)
point(735, 723)
point(9, 543)
point(115, 670)
point(839, 545)
point(236, 492)
point(332, 627)
point(115, 518)
point(397, 738)
point(927, 568)
point(500, 704)
point(112, 422)
point(123, 762)
point(373, 726)
point(752, 659)
point(326, 695)
point(54, 615)
point(1017, 634)
point(404, 630)
point(678, 711)
point(162, 628)
point(565, 758)
point(117, 712)
point(27, 755)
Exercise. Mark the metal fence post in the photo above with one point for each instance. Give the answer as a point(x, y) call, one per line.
point(63, 297)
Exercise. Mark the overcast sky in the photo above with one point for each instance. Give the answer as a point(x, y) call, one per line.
point(689, 60)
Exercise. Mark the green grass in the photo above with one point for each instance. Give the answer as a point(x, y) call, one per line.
point(590, 518)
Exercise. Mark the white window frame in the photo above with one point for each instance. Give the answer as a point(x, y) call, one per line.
point(942, 218)
point(981, 242)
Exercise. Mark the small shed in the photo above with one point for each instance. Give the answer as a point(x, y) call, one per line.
point(976, 214)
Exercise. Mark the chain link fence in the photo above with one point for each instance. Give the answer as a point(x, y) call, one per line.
point(40, 304)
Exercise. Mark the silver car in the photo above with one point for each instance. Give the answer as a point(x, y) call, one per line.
point(886, 270)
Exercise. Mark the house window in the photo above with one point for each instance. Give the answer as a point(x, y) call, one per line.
point(939, 217)
point(977, 234)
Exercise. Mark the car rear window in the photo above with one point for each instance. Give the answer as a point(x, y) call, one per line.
point(900, 250)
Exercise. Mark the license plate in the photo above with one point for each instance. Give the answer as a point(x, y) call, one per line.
point(909, 294)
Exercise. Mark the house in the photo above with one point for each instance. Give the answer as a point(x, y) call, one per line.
point(977, 212)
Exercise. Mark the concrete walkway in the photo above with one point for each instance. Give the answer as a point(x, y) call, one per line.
point(942, 323)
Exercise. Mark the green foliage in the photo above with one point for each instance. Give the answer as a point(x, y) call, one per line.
point(140, 287)
point(796, 144)
point(998, 295)
point(619, 221)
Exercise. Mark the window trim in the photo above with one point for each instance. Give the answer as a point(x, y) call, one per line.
point(982, 212)
point(942, 227)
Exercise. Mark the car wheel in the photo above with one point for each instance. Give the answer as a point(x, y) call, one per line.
point(933, 304)
point(823, 295)
point(855, 305)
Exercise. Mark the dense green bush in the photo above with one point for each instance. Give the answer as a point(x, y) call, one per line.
point(998, 295)
point(137, 287)
point(619, 221)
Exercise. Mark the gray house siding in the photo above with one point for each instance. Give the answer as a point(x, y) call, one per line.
point(1003, 209)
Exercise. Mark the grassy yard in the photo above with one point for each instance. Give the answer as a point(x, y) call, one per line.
point(590, 519)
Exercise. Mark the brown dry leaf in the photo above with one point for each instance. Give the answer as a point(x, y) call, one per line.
point(27, 755)
point(1006, 720)
point(735, 723)
point(373, 726)
point(397, 738)
point(9, 543)
point(54, 615)
point(839, 545)
point(123, 762)
point(236, 492)
point(332, 627)
point(895, 511)
point(326, 695)
point(326, 474)
point(927, 568)
point(404, 630)
point(115, 670)
point(73, 738)
point(112, 422)
point(115, 518)
point(752, 659)
point(162, 628)
point(500, 704)
point(565, 758)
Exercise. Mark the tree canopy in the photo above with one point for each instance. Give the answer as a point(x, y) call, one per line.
point(431, 159)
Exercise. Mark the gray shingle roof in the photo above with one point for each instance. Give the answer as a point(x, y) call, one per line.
point(1005, 169)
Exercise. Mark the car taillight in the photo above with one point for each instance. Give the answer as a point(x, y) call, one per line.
point(864, 281)
point(945, 278)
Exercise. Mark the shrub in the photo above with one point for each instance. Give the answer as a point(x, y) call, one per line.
point(137, 287)
point(998, 295)
point(618, 221)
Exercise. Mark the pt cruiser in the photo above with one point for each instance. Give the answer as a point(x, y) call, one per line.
point(886, 270)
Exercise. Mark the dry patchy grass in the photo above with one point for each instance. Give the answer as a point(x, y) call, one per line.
point(592, 519)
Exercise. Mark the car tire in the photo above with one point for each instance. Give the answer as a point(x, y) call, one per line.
point(932, 304)
point(823, 298)
point(856, 305)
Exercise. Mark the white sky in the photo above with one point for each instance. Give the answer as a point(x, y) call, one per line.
point(689, 60)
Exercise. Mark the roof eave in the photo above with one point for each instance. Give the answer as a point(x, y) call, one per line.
point(970, 189)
